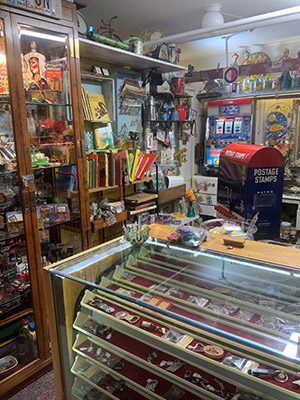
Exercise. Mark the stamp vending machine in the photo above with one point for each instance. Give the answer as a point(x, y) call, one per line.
point(250, 182)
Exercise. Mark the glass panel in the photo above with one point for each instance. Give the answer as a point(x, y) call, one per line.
point(167, 315)
point(17, 338)
point(252, 304)
point(49, 115)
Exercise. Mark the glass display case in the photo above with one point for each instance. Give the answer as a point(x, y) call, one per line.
point(165, 322)
point(42, 204)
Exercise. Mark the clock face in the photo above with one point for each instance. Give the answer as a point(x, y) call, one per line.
point(82, 24)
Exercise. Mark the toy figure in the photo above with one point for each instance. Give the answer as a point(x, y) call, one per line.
point(34, 68)
point(286, 54)
point(235, 58)
point(246, 58)
point(285, 80)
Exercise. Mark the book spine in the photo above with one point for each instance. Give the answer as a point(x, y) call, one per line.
point(106, 170)
point(141, 157)
point(89, 108)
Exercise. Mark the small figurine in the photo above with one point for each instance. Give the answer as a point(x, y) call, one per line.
point(261, 58)
point(235, 58)
point(286, 53)
point(285, 56)
point(246, 60)
point(285, 80)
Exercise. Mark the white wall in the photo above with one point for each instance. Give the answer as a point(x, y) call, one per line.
point(202, 62)
point(208, 60)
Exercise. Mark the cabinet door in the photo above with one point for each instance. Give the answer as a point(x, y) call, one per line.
point(52, 128)
point(23, 335)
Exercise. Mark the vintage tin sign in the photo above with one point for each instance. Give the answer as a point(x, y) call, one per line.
point(51, 8)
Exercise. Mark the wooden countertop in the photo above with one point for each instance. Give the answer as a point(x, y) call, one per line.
point(255, 250)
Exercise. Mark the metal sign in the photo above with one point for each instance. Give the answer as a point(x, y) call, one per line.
point(230, 74)
point(51, 8)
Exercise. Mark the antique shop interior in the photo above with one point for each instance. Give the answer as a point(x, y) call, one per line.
point(149, 145)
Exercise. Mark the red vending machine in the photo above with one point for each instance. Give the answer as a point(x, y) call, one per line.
point(251, 182)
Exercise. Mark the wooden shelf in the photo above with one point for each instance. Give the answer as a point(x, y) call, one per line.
point(144, 180)
point(104, 188)
point(245, 70)
point(101, 223)
point(166, 195)
point(112, 55)
point(87, 76)
point(141, 197)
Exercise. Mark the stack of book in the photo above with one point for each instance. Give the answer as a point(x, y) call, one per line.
point(140, 202)
point(135, 164)
point(132, 88)
point(103, 170)
point(94, 106)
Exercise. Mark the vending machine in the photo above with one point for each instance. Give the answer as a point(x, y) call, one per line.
point(251, 183)
point(228, 121)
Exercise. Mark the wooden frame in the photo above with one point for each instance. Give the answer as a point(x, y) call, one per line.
point(68, 25)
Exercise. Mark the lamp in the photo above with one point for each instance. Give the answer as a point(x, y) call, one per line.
point(213, 16)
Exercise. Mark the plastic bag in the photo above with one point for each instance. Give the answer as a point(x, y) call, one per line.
point(188, 235)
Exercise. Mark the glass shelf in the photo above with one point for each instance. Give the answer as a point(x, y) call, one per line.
point(30, 103)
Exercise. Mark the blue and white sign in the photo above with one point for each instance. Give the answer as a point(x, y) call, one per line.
point(230, 74)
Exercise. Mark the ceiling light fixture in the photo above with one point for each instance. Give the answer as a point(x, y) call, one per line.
point(41, 35)
point(213, 16)
point(241, 25)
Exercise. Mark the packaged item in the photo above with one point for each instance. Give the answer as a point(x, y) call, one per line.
point(174, 393)
point(159, 288)
point(235, 362)
point(188, 235)
point(216, 305)
point(173, 336)
point(174, 292)
point(14, 221)
point(244, 315)
point(229, 308)
point(200, 301)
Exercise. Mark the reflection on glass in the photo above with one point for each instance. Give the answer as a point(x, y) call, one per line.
point(18, 339)
point(256, 307)
point(49, 117)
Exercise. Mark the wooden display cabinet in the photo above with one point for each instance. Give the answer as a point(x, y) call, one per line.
point(41, 165)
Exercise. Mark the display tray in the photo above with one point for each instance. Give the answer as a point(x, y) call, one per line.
point(187, 347)
point(210, 326)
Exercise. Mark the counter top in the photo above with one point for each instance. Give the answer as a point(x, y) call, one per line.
point(271, 253)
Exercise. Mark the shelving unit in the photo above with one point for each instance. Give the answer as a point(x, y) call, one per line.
point(92, 53)
point(111, 55)
point(102, 223)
